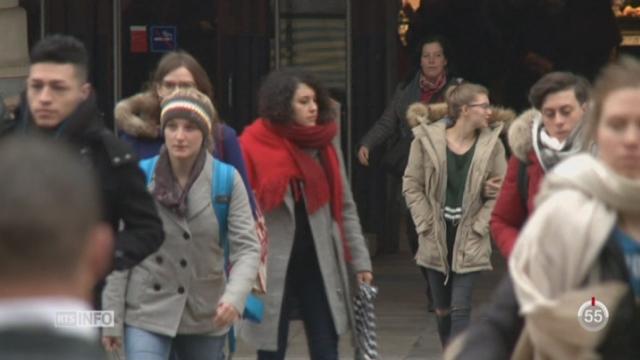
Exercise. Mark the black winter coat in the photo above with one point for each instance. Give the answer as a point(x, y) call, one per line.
point(393, 121)
point(126, 203)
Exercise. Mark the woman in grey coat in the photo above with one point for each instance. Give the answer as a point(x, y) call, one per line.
point(179, 297)
point(298, 176)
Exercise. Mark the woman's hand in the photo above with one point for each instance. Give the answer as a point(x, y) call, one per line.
point(492, 187)
point(226, 314)
point(365, 277)
point(112, 343)
point(363, 155)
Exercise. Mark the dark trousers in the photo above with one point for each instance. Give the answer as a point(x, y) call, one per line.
point(454, 296)
point(304, 283)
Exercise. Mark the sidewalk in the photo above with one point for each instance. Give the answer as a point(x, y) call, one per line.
point(405, 329)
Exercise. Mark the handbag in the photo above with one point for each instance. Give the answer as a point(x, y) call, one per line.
point(365, 319)
point(396, 158)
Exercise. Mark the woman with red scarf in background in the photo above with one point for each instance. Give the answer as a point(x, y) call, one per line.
point(296, 170)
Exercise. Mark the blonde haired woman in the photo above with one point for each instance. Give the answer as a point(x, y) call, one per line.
point(449, 163)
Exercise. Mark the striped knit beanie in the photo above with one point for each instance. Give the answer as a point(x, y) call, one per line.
point(192, 105)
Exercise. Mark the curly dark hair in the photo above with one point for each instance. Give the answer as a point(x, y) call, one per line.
point(276, 95)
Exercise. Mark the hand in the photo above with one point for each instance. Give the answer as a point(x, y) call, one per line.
point(365, 277)
point(12, 103)
point(226, 314)
point(363, 155)
point(112, 343)
point(492, 187)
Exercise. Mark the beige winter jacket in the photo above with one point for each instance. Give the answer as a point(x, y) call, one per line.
point(424, 189)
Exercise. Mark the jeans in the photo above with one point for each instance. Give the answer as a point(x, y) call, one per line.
point(455, 297)
point(141, 344)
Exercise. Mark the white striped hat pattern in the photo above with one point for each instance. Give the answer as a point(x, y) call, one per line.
point(188, 108)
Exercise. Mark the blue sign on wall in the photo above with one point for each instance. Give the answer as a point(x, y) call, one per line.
point(163, 38)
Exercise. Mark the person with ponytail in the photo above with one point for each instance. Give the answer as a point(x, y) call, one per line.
point(296, 169)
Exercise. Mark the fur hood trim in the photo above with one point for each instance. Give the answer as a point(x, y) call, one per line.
point(519, 135)
point(139, 115)
point(418, 113)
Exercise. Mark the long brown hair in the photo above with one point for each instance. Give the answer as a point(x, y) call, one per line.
point(177, 59)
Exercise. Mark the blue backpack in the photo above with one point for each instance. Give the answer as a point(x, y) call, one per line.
point(222, 186)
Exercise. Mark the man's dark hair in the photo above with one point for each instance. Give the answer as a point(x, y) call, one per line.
point(558, 81)
point(48, 206)
point(277, 91)
point(62, 49)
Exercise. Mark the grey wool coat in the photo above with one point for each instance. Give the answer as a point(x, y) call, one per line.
point(335, 271)
point(177, 289)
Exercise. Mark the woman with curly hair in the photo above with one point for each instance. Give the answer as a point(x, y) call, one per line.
point(296, 169)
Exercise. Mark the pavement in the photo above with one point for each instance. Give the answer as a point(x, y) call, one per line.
point(406, 330)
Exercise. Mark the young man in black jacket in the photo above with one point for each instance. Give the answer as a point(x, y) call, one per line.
point(60, 103)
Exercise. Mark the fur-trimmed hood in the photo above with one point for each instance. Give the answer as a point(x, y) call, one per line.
point(139, 115)
point(519, 135)
point(418, 113)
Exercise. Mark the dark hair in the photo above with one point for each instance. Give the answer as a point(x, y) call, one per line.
point(62, 49)
point(49, 206)
point(277, 91)
point(416, 55)
point(557, 81)
point(177, 59)
point(622, 74)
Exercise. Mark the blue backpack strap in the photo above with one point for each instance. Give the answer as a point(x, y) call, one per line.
point(221, 198)
point(148, 166)
point(221, 189)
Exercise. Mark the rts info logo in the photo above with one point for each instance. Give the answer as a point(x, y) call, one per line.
point(88, 319)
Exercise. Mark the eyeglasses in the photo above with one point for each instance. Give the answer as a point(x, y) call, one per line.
point(483, 106)
point(170, 85)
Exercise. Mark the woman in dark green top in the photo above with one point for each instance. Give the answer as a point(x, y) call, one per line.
point(450, 162)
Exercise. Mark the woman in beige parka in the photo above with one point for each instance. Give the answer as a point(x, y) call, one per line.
point(451, 161)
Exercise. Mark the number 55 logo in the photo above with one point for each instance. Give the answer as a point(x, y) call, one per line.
point(593, 315)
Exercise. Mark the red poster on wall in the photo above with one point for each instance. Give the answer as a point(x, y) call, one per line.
point(139, 39)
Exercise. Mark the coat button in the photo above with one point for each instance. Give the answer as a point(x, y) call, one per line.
point(183, 263)
point(180, 290)
point(157, 287)
point(186, 236)
point(159, 259)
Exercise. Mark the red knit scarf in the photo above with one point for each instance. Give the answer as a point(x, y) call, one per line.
point(428, 88)
point(275, 159)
